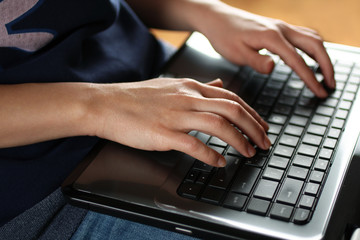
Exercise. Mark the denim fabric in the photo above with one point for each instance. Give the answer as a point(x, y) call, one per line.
point(96, 226)
point(51, 219)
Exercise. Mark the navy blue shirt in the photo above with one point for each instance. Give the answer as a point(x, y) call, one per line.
point(99, 41)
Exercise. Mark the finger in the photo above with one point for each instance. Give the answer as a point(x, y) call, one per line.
point(195, 148)
point(234, 113)
point(261, 63)
point(312, 44)
point(280, 46)
point(211, 92)
point(216, 83)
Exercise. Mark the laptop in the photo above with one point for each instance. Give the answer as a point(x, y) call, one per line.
point(305, 187)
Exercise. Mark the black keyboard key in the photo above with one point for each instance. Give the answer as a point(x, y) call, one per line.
point(203, 177)
point(203, 137)
point(317, 176)
point(282, 109)
point(273, 173)
point(330, 143)
point(307, 150)
point(325, 153)
point(277, 118)
point(223, 176)
point(290, 101)
point(202, 166)
point(326, 111)
point(190, 190)
point(316, 129)
point(301, 216)
point(298, 120)
point(284, 151)
point(235, 201)
point(312, 189)
point(288, 140)
point(281, 212)
point(258, 206)
point(245, 179)
point(320, 120)
point(258, 160)
point(274, 128)
point(212, 195)
point(321, 165)
point(303, 111)
point(312, 139)
point(307, 201)
point(265, 189)
point(294, 130)
point(278, 162)
point(290, 191)
point(303, 161)
point(192, 176)
point(298, 172)
point(334, 133)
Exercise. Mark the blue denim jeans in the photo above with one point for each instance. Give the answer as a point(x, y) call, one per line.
point(99, 226)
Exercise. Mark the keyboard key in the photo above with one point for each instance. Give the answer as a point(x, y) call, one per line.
point(223, 176)
point(274, 128)
point(212, 195)
point(345, 105)
point(284, 151)
point(334, 133)
point(326, 111)
point(298, 120)
point(312, 139)
point(303, 161)
point(203, 137)
point(245, 179)
point(330, 143)
point(307, 150)
point(281, 211)
point(338, 123)
point(220, 150)
point(341, 114)
point(290, 191)
point(273, 173)
point(233, 151)
point(307, 201)
point(330, 102)
point(298, 172)
point(294, 130)
point(349, 96)
point(258, 206)
point(202, 166)
point(320, 120)
point(317, 176)
point(278, 162)
point(265, 100)
point(217, 141)
point(325, 153)
point(312, 188)
point(303, 111)
point(277, 119)
point(286, 100)
point(189, 190)
point(192, 176)
point(316, 129)
point(265, 189)
point(321, 165)
point(301, 216)
point(282, 109)
point(235, 201)
point(288, 140)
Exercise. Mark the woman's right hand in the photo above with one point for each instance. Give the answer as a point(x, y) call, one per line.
point(158, 114)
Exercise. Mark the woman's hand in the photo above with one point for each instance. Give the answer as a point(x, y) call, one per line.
point(239, 35)
point(157, 115)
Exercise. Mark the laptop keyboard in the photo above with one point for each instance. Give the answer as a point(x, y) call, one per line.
point(286, 181)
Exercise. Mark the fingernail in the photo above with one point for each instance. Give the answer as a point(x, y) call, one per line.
point(251, 151)
point(221, 162)
point(267, 143)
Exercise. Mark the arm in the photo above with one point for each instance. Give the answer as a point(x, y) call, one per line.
point(239, 35)
point(151, 115)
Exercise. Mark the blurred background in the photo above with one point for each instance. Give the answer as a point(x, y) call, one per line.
point(336, 21)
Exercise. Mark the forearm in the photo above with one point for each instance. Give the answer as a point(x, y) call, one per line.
point(175, 14)
point(38, 112)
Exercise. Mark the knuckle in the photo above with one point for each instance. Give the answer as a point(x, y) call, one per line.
point(192, 144)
